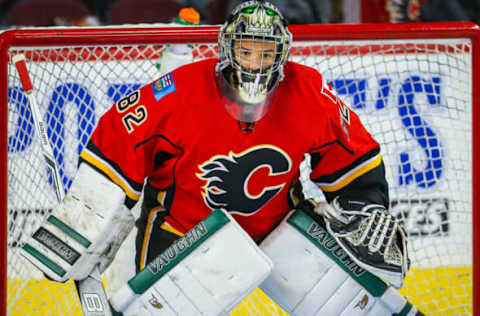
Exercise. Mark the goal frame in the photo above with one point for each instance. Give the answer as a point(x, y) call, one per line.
point(208, 34)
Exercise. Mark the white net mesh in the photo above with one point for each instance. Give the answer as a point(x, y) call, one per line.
point(415, 96)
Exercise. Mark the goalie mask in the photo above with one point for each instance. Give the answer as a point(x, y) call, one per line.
point(254, 45)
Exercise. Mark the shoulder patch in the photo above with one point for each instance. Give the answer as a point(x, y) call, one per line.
point(163, 86)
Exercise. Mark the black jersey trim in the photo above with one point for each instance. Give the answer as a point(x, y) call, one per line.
point(143, 142)
point(333, 143)
point(341, 178)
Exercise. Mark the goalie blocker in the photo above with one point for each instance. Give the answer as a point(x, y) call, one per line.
point(314, 275)
point(85, 230)
point(208, 271)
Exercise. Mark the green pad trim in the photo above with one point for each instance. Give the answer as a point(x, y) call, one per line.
point(320, 237)
point(177, 252)
point(69, 231)
point(405, 310)
point(47, 262)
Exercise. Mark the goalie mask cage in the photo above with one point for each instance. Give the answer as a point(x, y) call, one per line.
point(415, 87)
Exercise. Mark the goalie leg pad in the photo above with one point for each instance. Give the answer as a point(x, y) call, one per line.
point(84, 230)
point(206, 272)
point(313, 275)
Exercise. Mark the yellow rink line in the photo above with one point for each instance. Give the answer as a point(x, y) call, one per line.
point(437, 292)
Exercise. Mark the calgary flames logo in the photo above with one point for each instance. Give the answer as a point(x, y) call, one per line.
point(243, 183)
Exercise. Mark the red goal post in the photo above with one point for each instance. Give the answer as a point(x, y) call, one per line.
point(355, 58)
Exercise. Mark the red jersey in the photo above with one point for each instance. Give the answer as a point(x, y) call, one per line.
point(176, 133)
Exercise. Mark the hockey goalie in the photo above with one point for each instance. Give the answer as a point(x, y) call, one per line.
point(215, 147)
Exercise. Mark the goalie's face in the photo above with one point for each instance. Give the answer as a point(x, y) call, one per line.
point(249, 84)
point(254, 45)
point(254, 56)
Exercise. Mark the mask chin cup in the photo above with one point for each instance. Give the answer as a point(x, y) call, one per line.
point(245, 105)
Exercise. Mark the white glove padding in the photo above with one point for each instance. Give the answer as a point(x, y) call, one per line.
point(86, 229)
point(370, 235)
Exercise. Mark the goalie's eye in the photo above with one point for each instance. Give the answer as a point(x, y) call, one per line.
point(270, 12)
point(248, 10)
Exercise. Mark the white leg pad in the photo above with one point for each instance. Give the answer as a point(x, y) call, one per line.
point(306, 281)
point(210, 280)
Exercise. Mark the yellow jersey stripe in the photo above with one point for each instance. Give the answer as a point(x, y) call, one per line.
point(166, 226)
point(294, 197)
point(352, 175)
point(148, 231)
point(95, 161)
point(161, 198)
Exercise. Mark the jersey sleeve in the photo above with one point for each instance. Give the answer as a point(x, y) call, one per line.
point(347, 161)
point(127, 141)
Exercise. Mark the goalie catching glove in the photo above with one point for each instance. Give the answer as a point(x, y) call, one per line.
point(370, 235)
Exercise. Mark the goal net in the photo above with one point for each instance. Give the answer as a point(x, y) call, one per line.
point(413, 86)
